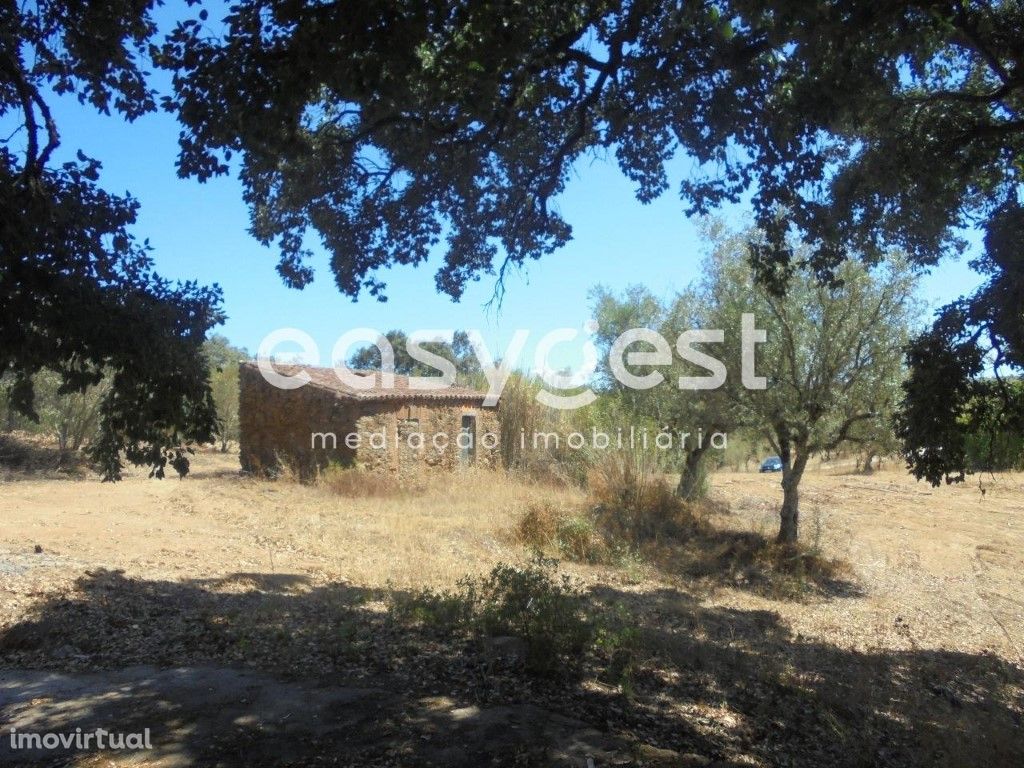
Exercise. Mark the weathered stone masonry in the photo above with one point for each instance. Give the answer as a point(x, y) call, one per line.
point(400, 430)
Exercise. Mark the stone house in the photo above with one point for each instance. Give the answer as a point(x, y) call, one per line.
point(394, 429)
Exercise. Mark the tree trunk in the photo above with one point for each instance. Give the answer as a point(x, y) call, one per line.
point(867, 468)
point(792, 471)
point(690, 479)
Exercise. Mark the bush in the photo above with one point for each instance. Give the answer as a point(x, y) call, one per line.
point(632, 503)
point(577, 539)
point(441, 609)
point(629, 506)
point(618, 637)
point(546, 527)
point(532, 602)
point(538, 525)
point(536, 605)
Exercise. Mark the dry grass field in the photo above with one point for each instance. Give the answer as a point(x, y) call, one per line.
point(910, 655)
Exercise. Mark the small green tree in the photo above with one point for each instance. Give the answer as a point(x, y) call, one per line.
point(459, 352)
point(685, 412)
point(224, 360)
point(833, 355)
point(874, 438)
point(70, 417)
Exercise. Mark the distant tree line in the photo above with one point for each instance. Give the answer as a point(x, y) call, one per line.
point(71, 419)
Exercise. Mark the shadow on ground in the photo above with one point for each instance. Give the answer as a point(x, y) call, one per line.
point(706, 550)
point(270, 669)
point(28, 457)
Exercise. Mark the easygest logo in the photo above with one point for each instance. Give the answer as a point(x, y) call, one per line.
point(659, 352)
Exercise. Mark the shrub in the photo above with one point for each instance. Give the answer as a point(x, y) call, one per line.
point(632, 502)
point(533, 603)
point(617, 635)
point(576, 538)
point(442, 609)
point(546, 527)
point(538, 525)
point(536, 605)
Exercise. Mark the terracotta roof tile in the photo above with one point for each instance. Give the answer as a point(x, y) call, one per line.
point(327, 378)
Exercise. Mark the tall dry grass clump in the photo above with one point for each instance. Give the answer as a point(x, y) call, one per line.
point(523, 422)
point(520, 414)
point(547, 527)
point(629, 505)
point(633, 502)
point(357, 483)
point(538, 525)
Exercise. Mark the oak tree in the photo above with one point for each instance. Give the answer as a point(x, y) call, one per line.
point(78, 293)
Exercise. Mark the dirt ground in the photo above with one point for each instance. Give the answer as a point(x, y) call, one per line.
point(915, 659)
point(948, 561)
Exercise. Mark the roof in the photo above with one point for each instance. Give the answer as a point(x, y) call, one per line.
point(327, 378)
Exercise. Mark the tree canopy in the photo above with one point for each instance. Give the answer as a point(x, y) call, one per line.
point(459, 352)
point(391, 128)
point(78, 293)
point(394, 127)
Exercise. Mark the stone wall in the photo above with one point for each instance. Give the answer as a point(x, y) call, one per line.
point(405, 436)
point(408, 437)
point(276, 425)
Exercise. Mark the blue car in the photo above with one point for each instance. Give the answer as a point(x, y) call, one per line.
point(771, 464)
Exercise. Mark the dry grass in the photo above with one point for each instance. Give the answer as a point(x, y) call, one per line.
point(216, 522)
point(946, 560)
point(357, 483)
point(922, 659)
point(570, 533)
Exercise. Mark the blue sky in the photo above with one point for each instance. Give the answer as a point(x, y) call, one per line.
point(199, 231)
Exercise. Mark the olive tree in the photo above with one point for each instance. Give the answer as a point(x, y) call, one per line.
point(833, 355)
point(71, 417)
point(653, 393)
point(224, 360)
